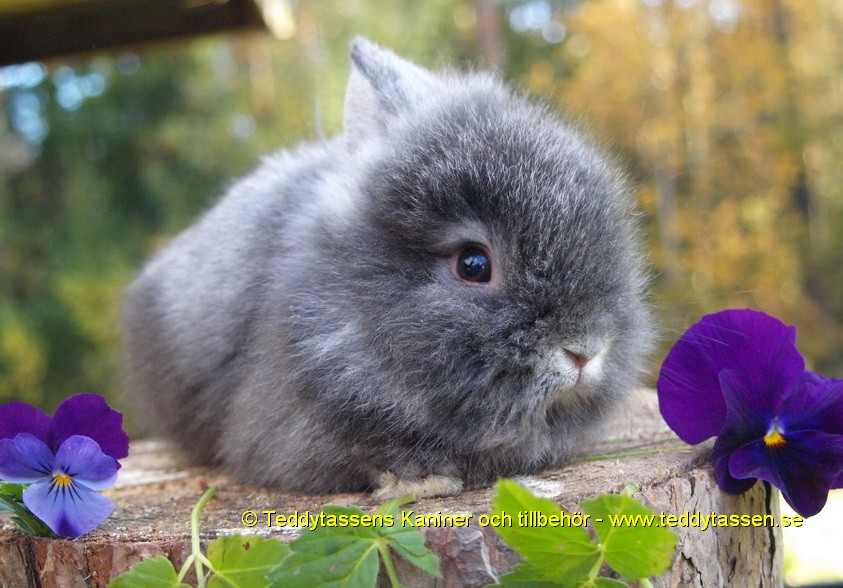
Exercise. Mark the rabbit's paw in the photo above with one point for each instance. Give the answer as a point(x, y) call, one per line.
point(391, 486)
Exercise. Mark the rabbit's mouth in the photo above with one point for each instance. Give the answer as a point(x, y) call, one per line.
point(574, 366)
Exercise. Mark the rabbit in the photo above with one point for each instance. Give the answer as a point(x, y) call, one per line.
point(451, 290)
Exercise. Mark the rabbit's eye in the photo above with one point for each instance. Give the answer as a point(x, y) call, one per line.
point(474, 265)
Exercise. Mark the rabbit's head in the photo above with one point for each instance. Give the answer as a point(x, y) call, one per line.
point(487, 266)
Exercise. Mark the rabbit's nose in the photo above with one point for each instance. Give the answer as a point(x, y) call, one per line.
point(579, 359)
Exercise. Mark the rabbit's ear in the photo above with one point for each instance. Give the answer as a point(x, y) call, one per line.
point(381, 87)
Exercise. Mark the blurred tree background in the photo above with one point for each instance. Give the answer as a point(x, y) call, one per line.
point(726, 114)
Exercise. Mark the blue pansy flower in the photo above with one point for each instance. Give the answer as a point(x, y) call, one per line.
point(737, 375)
point(66, 459)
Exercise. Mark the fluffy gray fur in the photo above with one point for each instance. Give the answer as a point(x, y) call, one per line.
point(309, 332)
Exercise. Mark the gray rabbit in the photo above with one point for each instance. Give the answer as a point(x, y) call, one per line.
point(449, 292)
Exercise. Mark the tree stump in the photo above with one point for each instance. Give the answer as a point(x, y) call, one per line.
point(156, 491)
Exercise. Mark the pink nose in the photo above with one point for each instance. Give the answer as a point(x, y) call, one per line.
point(579, 359)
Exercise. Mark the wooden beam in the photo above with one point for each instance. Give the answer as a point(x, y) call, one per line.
point(97, 26)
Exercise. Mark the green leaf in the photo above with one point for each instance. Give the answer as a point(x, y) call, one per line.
point(407, 541)
point(244, 561)
point(525, 576)
point(331, 556)
point(5, 503)
point(560, 553)
point(633, 545)
point(13, 490)
point(608, 583)
point(10, 496)
point(153, 572)
point(604, 583)
point(25, 524)
point(336, 554)
point(11, 500)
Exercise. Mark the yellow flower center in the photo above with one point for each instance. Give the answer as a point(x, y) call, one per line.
point(774, 438)
point(61, 479)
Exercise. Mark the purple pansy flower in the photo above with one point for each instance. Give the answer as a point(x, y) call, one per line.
point(66, 459)
point(737, 374)
point(63, 490)
point(84, 414)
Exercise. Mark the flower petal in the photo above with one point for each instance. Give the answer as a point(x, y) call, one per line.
point(25, 459)
point(749, 411)
point(17, 417)
point(690, 398)
point(721, 456)
point(70, 511)
point(748, 418)
point(817, 405)
point(82, 459)
point(804, 468)
point(89, 415)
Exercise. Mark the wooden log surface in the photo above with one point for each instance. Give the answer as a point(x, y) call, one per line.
point(156, 491)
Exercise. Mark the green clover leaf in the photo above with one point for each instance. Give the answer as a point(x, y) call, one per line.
point(243, 561)
point(604, 583)
point(560, 553)
point(407, 541)
point(347, 555)
point(153, 572)
point(632, 543)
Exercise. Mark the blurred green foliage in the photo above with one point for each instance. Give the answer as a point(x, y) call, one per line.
point(725, 113)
